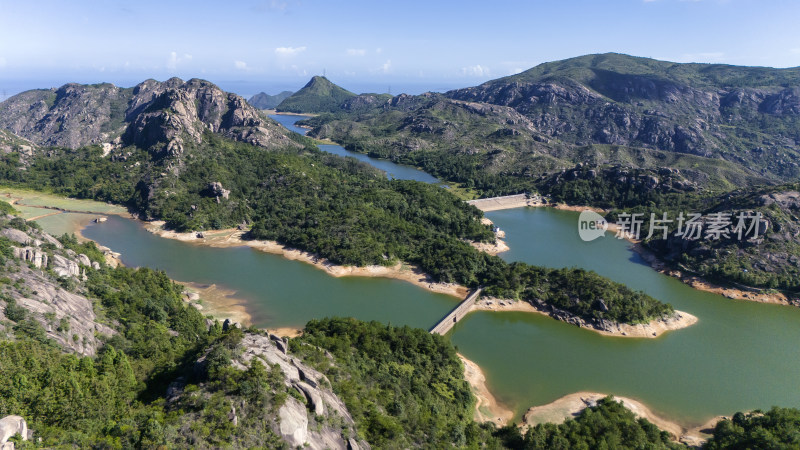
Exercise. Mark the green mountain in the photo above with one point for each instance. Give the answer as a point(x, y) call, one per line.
point(263, 100)
point(720, 126)
point(749, 116)
point(319, 95)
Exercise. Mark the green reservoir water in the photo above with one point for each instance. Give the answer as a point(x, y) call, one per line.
point(739, 356)
point(279, 292)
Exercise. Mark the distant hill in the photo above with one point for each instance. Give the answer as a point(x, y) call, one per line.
point(263, 100)
point(318, 96)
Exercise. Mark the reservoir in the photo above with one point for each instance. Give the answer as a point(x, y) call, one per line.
point(739, 356)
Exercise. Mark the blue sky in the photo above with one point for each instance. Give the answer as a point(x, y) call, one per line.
point(411, 45)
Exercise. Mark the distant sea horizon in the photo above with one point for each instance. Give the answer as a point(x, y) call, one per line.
point(248, 88)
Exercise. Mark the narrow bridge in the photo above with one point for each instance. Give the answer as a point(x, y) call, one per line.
point(456, 314)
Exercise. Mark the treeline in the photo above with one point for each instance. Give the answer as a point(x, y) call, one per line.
point(337, 208)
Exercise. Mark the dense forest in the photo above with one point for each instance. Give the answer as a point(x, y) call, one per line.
point(337, 208)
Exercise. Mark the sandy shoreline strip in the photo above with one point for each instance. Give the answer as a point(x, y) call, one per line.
point(650, 330)
point(233, 238)
point(571, 405)
point(487, 408)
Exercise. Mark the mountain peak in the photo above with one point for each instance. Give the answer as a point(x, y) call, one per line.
point(317, 96)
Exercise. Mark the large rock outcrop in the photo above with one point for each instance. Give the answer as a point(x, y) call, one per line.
point(161, 116)
point(9, 427)
point(67, 317)
point(293, 415)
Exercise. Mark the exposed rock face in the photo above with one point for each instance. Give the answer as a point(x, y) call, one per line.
point(67, 318)
point(164, 117)
point(215, 189)
point(11, 425)
point(293, 415)
point(32, 255)
point(16, 235)
point(65, 267)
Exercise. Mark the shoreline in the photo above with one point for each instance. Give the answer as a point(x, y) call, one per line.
point(694, 281)
point(409, 273)
point(218, 302)
point(650, 330)
point(701, 284)
point(487, 407)
point(274, 111)
point(571, 405)
point(233, 238)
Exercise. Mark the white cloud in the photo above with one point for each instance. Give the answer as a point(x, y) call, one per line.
point(241, 65)
point(475, 71)
point(356, 52)
point(515, 70)
point(174, 60)
point(289, 51)
point(387, 66)
point(379, 50)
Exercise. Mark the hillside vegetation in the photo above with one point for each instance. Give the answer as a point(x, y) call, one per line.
point(317, 96)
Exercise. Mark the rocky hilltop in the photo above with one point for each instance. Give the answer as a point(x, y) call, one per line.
point(163, 116)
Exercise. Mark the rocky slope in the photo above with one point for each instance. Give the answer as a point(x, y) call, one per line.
point(311, 417)
point(262, 100)
point(765, 253)
point(163, 116)
point(746, 115)
point(39, 278)
point(43, 297)
point(491, 146)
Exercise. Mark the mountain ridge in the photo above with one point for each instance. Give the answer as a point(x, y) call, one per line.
point(164, 116)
